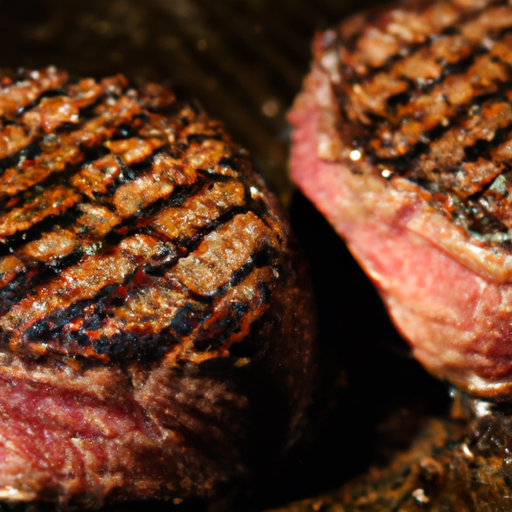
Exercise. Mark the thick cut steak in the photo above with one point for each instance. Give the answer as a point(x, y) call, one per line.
point(156, 325)
point(403, 139)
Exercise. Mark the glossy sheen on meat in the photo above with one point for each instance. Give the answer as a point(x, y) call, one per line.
point(154, 317)
point(402, 139)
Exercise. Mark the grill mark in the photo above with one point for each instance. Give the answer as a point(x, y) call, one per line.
point(134, 150)
point(58, 153)
point(70, 323)
point(489, 139)
point(376, 94)
point(441, 136)
point(147, 315)
point(75, 284)
point(86, 234)
point(96, 178)
point(186, 246)
point(442, 104)
point(47, 115)
point(20, 238)
point(158, 183)
point(198, 211)
point(374, 97)
point(160, 313)
point(83, 94)
point(168, 258)
point(408, 36)
point(88, 231)
point(51, 201)
point(438, 116)
point(221, 253)
point(208, 155)
point(405, 30)
point(50, 114)
point(448, 54)
point(433, 110)
point(86, 251)
point(19, 95)
point(63, 244)
point(97, 221)
point(232, 315)
point(99, 178)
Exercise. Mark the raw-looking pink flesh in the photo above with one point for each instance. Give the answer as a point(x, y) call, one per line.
point(52, 438)
point(448, 295)
point(128, 435)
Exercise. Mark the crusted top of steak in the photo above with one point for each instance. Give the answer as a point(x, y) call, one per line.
point(423, 92)
point(401, 137)
point(131, 226)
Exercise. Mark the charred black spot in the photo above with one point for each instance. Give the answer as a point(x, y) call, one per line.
point(184, 319)
point(143, 117)
point(220, 331)
point(399, 99)
point(459, 67)
point(30, 152)
point(265, 291)
point(227, 161)
point(264, 257)
point(38, 331)
point(52, 93)
point(129, 346)
point(197, 138)
point(125, 131)
point(450, 31)
point(241, 308)
point(76, 329)
point(95, 153)
point(46, 94)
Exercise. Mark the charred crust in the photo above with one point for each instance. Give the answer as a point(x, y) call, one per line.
point(120, 212)
point(424, 92)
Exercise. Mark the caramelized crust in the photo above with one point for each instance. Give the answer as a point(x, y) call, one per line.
point(130, 225)
point(424, 93)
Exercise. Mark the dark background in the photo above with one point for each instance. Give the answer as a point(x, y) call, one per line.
point(245, 60)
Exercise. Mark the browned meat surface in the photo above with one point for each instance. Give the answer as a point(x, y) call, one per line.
point(156, 323)
point(402, 139)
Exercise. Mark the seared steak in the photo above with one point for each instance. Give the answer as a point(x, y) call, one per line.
point(403, 139)
point(156, 325)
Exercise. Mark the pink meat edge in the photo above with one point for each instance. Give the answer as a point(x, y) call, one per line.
point(57, 443)
point(457, 320)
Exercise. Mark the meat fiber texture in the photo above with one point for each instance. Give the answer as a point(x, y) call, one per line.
point(156, 323)
point(402, 139)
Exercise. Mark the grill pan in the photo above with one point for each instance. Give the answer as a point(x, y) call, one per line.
point(244, 60)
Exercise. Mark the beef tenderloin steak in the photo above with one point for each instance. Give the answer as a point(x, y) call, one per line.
point(156, 323)
point(403, 139)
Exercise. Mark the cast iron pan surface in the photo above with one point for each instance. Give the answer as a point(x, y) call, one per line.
point(244, 60)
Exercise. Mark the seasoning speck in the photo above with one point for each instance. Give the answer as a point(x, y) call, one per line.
point(420, 497)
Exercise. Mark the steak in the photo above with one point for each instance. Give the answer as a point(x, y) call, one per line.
point(156, 324)
point(403, 140)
